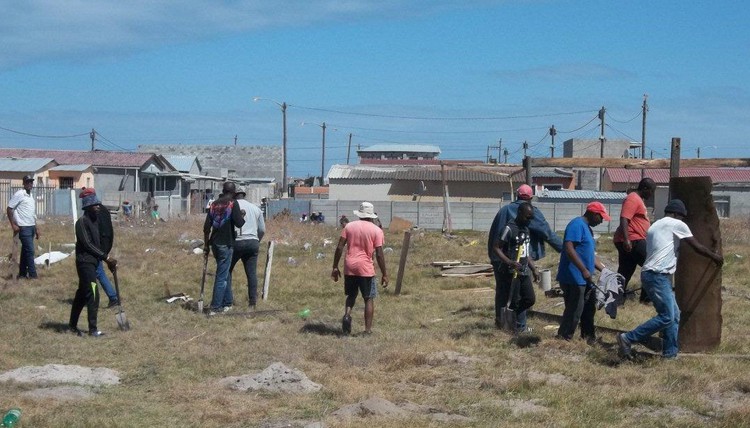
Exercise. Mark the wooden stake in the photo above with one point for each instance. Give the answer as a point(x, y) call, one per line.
point(267, 278)
point(402, 262)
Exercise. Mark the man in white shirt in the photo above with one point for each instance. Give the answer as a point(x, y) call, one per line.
point(247, 244)
point(21, 213)
point(662, 250)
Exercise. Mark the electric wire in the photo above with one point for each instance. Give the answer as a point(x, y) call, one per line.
point(624, 121)
point(43, 136)
point(620, 132)
point(439, 118)
point(579, 128)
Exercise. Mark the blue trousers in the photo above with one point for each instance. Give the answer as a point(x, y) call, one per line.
point(104, 281)
point(222, 287)
point(26, 268)
point(667, 319)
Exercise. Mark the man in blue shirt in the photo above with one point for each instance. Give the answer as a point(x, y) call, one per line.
point(577, 262)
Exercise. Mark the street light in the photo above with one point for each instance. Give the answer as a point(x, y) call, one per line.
point(323, 151)
point(282, 105)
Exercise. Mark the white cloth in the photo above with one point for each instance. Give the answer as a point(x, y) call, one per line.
point(663, 244)
point(609, 291)
point(24, 208)
point(255, 226)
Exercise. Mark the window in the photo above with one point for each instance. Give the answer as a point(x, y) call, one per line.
point(66, 182)
point(721, 203)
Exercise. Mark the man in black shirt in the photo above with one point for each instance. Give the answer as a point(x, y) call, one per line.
point(89, 253)
point(218, 234)
point(512, 248)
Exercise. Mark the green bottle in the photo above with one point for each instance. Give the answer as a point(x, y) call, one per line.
point(304, 313)
point(12, 417)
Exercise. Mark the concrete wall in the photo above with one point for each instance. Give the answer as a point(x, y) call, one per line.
point(429, 215)
point(404, 190)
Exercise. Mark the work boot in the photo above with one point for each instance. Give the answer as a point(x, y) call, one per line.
point(96, 333)
point(76, 331)
point(346, 324)
point(623, 346)
point(113, 303)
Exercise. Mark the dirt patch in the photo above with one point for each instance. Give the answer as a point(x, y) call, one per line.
point(62, 374)
point(380, 407)
point(674, 412)
point(444, 357)
point(275, 378)
point(523, 407)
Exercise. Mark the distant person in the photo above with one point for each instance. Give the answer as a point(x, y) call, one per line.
point(630, 236)
point(343, 221)
point(247, 244)
point(663, 242)
point(303, 218)
point(539, 230)
point(512, 248)
point(574, 273)
point(218, 234)
point(89, 253)
point(320, 218)
point(21, 213)
point(362, 239)
point(127, 211)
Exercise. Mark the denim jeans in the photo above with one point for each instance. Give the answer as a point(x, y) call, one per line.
point(667, 319)
point(101, 276)
point(26, 266)
point(247, 251)
point(222, 289)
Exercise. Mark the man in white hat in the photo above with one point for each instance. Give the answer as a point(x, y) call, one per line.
point(361, 239)
point(21, 213)
point(247, 244)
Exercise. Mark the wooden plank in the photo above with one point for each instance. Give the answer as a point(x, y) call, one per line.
point(468, 275)
point(465, 270)
point(267, 277)
point(402, 262)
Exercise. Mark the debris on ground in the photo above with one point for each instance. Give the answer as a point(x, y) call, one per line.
point(454, 268)
point(181, 297)
point(51, 257)
point(275, 378)
point(380, 407)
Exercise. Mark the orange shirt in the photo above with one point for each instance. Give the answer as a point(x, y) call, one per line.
point(362, 237)
point(633, 209)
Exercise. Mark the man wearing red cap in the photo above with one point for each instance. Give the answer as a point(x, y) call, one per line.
point(577, 262)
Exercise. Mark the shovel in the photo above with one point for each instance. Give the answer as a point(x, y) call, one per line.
point(122, 320)
point(203, 282)
point(508, 316)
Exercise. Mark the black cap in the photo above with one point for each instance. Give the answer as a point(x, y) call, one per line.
point(676, 206)
point(27, 178)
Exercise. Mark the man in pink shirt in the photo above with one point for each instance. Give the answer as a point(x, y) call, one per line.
point(362, 238)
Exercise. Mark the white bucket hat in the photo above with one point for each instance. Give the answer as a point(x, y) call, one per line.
point(366, 210)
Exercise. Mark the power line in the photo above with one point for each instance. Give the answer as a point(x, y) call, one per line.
point(44, 136)
point(625, 121)
point(440, 132)
point(620, 132)
point(579, 128)
point(440, 118)
point(111, 143)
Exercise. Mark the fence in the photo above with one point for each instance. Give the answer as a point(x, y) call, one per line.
point(429, 215)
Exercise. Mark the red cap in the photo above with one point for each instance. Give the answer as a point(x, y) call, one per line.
point(525, 192)
point(87, 191)
point(597, 207)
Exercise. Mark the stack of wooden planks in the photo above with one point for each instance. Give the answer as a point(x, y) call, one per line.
point(458, 268)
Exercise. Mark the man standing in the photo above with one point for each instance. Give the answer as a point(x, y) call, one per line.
point(106, 234)
point(247, 244)
point(539, 230)
point(630, 236)
point(89, 253)
point(512, 248)
point(577, 262)
point(663, 244)
point(21, 213)
point(223, 217)
point(361, 239)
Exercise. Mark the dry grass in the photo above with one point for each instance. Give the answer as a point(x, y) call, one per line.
point(172, 358)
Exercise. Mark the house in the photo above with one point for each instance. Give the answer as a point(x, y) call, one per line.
point(731, 186)
point(399, 154)
point(590, 178)
point(423, 182)
point(13, 169)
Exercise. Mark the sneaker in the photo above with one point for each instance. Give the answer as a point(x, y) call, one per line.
point(113, 303)
point(76, 331)
point(346, 324)
point(524, 330)
point(623, 346)
point(226, 308)
point(96, 333)
point(252, 307)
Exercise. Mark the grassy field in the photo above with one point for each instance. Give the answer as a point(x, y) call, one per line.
point(434, 345)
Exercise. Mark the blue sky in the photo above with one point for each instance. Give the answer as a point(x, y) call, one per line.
point(456, 74)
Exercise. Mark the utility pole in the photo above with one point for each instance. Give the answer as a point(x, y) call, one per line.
point(505, 153)
point(601, 142)
point(284, 182)
point(643, 133)
point(323, 155)
point(92, 135)
point(525, 147)
point(348, 148)
point(552, 133)
point(235, 139)
point(499, 150)
point(698, 152)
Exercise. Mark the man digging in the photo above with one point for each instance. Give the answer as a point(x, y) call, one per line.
point(361, 238)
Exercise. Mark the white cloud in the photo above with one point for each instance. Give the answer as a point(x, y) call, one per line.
point(38, 30)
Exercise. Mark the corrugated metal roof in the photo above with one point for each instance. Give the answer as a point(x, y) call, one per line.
point(71, 157)
point(71, 168)
point(181, 163)
point(661, 176)
point(551, 173)
point(401, 148)
point(581, 194)
point(14, 164)
point(422, 172)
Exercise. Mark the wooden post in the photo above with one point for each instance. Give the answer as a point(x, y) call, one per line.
point(527, 167)
point(267, 277)
point(674, 164)
point(74, 209)
point(402, 261)
point(49, 255)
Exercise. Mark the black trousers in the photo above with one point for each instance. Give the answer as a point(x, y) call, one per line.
point(578, 308)
point(86, 295)
point(627, 262)
point(522, 299)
